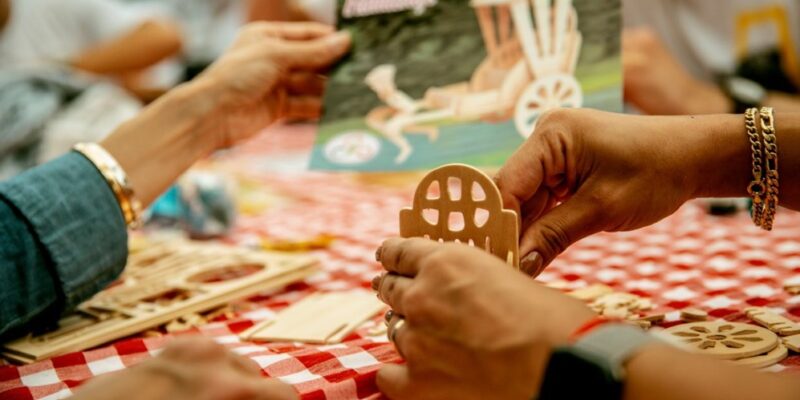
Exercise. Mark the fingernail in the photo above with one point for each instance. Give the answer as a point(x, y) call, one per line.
point(531, 263)
point(388, 316)
point(376, 282)
point(378, 254)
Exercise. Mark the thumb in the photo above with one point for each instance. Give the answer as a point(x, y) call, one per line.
point(394, 382)
point(557, 229)
point(312, 54)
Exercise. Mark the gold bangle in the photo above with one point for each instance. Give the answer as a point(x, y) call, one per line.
point(757, 187)
point(116, 178)
point(770, 167)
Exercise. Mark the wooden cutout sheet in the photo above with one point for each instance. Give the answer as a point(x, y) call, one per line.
point(318, 319)
point(773, 321)
point(476, 195)
point(160, 284)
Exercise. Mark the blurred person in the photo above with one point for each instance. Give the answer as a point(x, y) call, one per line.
point(101, 37)
point(705, 57)
point(63, 223)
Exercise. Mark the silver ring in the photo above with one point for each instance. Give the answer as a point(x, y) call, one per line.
point(397, 325)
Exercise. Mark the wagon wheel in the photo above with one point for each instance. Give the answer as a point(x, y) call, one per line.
point(723, 339)
point(545, 94)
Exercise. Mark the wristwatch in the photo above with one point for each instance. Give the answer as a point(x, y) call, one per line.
point(594, 366)
point(743, 92)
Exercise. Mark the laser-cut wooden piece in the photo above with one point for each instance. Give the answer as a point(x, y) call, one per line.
point(723, 339)
point(499, 234)
point(792, 342)
point(773, 321)
point(772, 357)
point(693, 315)
point(319, 318)
point(591, 292)
point(160, 284)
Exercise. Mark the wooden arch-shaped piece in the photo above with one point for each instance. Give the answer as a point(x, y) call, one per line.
point(471, 193)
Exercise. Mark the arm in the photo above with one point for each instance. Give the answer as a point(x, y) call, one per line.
point(694, 377)
point(586, 171)
point(144, 46)
point(62, 233)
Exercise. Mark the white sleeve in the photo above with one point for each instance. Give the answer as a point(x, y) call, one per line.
point(108, 19)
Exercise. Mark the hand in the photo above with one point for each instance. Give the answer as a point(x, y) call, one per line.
point(474, 327)
point(614, 172)
point(657, 84)
point(272, 72)
point(191, 368)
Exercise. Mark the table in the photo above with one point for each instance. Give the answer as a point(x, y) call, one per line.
point(720, 264)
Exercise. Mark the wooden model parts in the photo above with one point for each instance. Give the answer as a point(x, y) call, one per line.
point(725, 340)
point(458, 203)
point(773, 321)
point(162, 283)
point(319, 318)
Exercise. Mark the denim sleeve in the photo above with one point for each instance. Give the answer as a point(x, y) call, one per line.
point(62, 239)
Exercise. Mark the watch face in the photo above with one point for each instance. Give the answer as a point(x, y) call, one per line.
point(746, 91)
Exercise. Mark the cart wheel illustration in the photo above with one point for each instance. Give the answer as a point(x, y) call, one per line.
point(545, 94)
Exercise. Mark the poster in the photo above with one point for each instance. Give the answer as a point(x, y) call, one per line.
point(431, 82)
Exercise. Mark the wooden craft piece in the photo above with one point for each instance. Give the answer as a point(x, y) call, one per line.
point(591, 292)
point(792, 342)
point(693, 315)
point(319, 318)
point(772, 357)
point(724, 340)
point(468, 209)
point(652, 318)
point(160, 284)
point(773, 321)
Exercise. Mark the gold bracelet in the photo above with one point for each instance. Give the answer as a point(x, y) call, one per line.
point(757, 187)
point(770, 167)
point(116, 178)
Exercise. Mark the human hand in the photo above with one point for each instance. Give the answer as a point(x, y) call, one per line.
point(656, 84)
point(614, 172)
point(474, 328)
point(190, 368)
point(271, 72)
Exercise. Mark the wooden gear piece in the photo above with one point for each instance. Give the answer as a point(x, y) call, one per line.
point(774, 356)
point(498, 234)
point(725, 340)
point(159, 285)
point(318, 318)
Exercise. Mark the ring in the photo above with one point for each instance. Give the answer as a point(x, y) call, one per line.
point(388, 316)
point(393, 334)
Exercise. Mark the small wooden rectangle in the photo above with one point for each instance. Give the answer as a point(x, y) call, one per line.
point(773, 321)
point(319, 318)
point(591, 293)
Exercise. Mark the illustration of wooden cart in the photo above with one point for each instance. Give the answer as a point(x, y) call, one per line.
point(532, 50)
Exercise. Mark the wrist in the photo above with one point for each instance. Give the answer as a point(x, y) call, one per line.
point(721, 164)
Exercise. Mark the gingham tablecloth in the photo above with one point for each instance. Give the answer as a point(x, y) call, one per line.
point(720, 264)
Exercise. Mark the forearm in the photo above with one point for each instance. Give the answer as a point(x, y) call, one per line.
point(723, 167)
point(148, 44)
point(161, 143)
point(660, 372)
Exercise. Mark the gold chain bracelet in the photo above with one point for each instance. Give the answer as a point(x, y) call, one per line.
point(757, 188)
point(116, 178)
point(770, 167)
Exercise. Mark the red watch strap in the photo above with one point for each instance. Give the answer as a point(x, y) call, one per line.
point(589, 326)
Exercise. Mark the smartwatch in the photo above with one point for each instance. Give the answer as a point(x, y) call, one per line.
point(743, 92)
point(594, 366)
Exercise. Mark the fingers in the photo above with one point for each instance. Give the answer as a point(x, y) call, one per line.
point(291, 30)
point(305, 83)
point(396, 332)
point(558, 228)
point(403, 256)
point(311, 54)
point(391, 288)
point(274, 389)
point(302, 107)
point(394, 381)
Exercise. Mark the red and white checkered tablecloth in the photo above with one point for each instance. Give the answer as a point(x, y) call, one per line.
point(720, 264)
